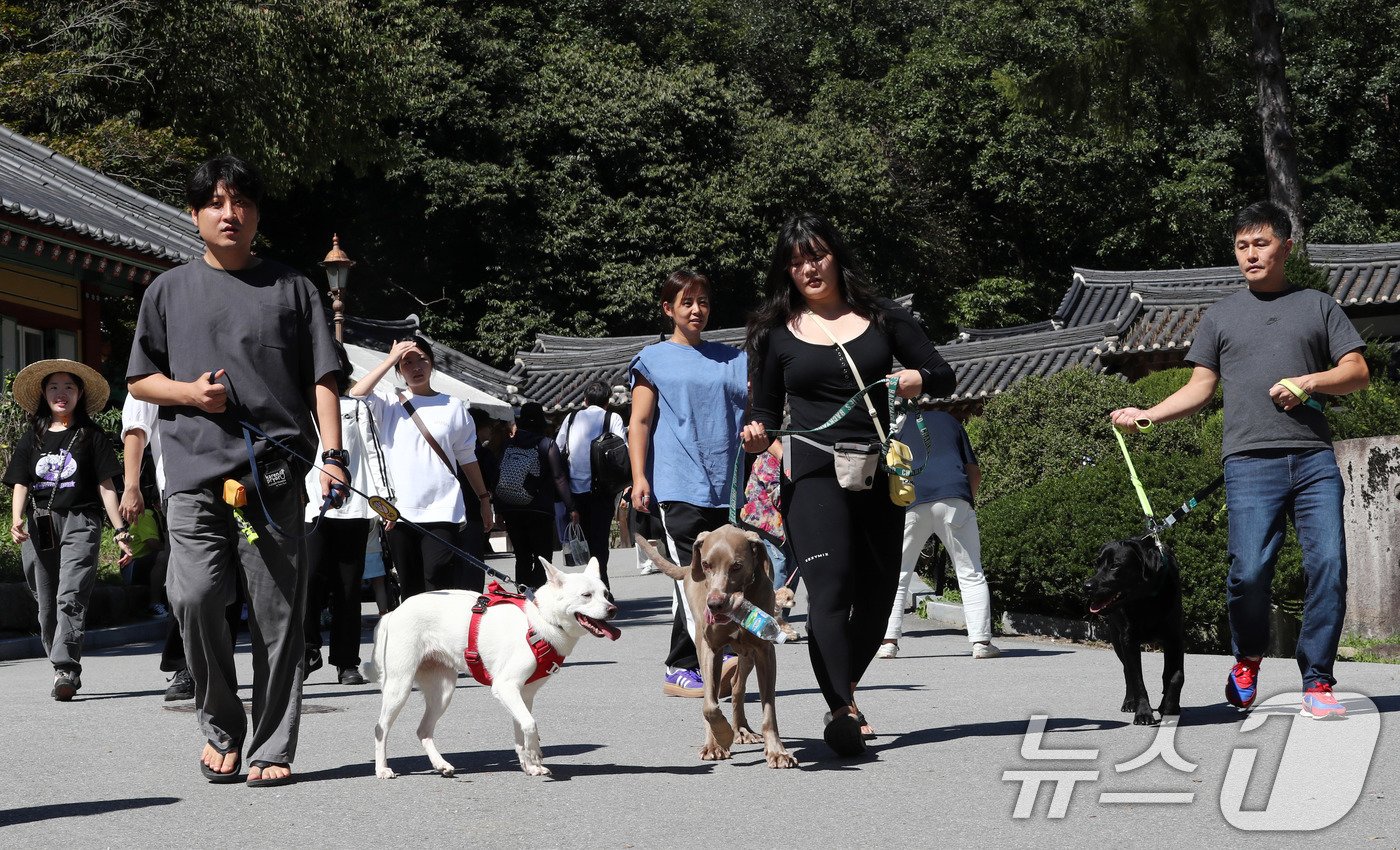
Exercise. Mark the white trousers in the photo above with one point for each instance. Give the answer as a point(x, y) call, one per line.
point(955, 523)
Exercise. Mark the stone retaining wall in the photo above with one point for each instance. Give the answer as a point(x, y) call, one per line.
point(1371, 470)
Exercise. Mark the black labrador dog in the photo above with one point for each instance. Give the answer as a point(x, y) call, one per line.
point(1137, 589)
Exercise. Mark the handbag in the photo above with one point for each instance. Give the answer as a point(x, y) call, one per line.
point(575, 543)
point(898, 458)
point(855, 462)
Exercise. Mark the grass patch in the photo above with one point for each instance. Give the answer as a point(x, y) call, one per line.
point(1384, 650)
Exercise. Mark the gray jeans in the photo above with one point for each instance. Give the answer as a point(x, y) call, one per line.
point(61, 580)
point(208, 554)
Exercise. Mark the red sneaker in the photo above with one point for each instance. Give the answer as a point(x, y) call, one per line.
point(1318, 702)
point(1242, 684)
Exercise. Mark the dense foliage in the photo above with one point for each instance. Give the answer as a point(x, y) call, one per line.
point(508, 167)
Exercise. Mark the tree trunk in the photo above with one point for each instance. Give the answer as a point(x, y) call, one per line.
point(1280, 147)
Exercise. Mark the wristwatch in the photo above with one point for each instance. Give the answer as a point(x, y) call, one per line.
point(340, 455)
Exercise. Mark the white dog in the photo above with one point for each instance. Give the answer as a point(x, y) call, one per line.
point(425, 641)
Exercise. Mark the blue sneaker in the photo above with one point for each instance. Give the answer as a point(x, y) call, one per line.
point(683, 683)
point(1241, 685)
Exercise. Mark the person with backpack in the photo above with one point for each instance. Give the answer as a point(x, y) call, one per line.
point(595, 448)
point(532, 475)
point(429, 444)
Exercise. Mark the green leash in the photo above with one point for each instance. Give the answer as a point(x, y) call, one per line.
point(736, 474)
point(1137, 482)
point(1153, 524)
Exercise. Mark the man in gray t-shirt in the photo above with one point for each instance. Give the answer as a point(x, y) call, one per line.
point(1275, 349)
point(225, 339)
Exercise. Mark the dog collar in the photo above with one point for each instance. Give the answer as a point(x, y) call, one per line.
point(547, 658)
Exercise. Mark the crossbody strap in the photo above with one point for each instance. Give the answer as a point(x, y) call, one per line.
point(64, 454)
point(423, 429)
point(860, 382)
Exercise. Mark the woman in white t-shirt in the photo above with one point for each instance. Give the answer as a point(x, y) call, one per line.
point(427, 476)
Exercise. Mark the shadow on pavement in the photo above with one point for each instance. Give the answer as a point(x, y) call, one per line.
point(90, 697)
point(939, 734)
point(643, 609)
point(565, 772)
point(863, 689)
point(494, 761)
point(32, 814)
point(1210, 715)
point(1387, 704)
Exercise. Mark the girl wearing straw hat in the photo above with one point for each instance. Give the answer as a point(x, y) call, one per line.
point(62, 472)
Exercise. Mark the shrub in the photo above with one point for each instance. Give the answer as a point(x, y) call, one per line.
point(1370, 412)
point(1047, 427)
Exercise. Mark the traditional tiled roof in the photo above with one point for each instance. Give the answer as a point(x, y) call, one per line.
point(1167, 318)
point(988, 367)
point(1103, 313)
point(40, 186)
point(980, 334)
point(380, 335)
point(1360, 274)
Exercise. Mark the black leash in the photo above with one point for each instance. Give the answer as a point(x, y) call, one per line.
point(1187, 506)
point(387, 511)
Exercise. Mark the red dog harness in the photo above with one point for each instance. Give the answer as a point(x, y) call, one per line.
point(547, 658)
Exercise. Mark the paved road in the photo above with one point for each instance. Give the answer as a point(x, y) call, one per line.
point(117, 767)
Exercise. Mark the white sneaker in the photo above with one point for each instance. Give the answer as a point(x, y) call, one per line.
point(985, 650)
point(646, 568)
point(888, 650)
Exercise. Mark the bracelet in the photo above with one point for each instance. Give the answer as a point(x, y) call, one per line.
point(335, 461)
point(484, 496)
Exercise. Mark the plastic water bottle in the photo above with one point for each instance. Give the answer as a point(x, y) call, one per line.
point(758, 621)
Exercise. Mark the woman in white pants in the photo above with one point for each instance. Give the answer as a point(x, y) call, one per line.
point(944, 490)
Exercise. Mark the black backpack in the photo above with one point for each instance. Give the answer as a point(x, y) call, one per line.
point(612, 467)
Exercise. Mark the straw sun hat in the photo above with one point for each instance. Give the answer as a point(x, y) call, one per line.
point(28, 387)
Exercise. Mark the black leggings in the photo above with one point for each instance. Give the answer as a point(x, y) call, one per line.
point(846, 545)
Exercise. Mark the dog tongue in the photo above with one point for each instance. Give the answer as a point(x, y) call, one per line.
point(599, 628)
